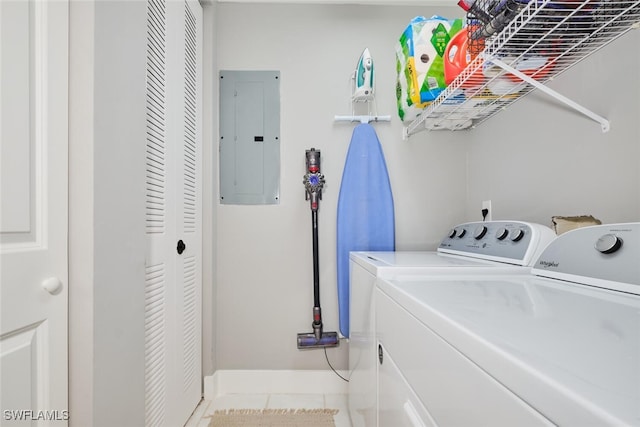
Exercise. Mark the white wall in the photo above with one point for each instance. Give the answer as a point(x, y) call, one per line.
point(264, 265)
point(209, 187)
point(81, 155)
point(535, 160)
point(539, 159)
point(106, 212)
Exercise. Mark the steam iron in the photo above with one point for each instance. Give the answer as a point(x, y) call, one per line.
point(363, 78)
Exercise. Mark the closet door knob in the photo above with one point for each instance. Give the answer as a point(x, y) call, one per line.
point(53, 285)
point(181, 247)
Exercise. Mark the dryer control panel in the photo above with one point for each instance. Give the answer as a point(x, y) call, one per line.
point(606, 256)
point(514, 242)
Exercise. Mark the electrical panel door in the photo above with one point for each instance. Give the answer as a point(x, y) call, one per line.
point(249, 137)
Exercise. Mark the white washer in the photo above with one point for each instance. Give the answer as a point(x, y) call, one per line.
point(559, 346)
point(476, 248)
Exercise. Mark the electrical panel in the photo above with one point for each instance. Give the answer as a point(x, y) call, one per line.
point(249, 137)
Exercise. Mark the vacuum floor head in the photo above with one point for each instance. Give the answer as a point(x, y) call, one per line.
point(309, 341)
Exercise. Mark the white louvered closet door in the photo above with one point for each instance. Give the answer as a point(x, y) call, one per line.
point(186, 109)
point(173, 285)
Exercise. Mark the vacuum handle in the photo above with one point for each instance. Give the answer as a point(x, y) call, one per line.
point(316, 263)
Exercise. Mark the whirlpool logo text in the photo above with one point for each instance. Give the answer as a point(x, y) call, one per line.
point(548, 264)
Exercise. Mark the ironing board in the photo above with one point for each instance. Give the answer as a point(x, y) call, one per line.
point(365, 219)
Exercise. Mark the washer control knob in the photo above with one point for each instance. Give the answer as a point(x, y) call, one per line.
point(452, 233)
point(461, 233)
point(608, 244)
point(502, 233)
point(516, 234)
point(480, 231)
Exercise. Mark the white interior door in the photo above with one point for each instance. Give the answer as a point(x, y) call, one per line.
point(188, 155)
point(174, 203)
point(33, 211)
point(160, 217)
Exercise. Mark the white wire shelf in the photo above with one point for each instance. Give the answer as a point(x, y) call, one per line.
point(555, 35)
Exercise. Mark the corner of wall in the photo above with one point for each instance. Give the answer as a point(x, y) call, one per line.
point(81, 82)
point(210, 189)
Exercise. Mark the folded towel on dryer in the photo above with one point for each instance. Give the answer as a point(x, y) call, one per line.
point(562, 224)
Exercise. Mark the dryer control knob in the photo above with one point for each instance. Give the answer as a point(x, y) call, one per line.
point(480, 231)
point(608, 244)
point(516, 235)
point(452, 233)
point(502, 233)
point(461, 233)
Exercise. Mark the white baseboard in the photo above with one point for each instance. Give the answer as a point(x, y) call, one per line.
point(273, 382)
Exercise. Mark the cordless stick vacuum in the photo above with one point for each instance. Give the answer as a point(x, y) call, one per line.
point(313, 182)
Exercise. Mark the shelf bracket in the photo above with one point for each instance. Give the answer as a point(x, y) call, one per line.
point(362, 119)
point(604, 123)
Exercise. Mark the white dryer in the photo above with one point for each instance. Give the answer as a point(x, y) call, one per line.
point(560, 346)
point(476, 248)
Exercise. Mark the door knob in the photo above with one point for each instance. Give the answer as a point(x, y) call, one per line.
point(181, 247)
point(53, 285)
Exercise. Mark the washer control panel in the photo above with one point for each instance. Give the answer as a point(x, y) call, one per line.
point(601, 255)
point(514, 242)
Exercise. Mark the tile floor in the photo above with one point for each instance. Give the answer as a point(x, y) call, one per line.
point(200, 417)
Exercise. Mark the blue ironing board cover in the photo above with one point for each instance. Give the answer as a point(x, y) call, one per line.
point(365, 219)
